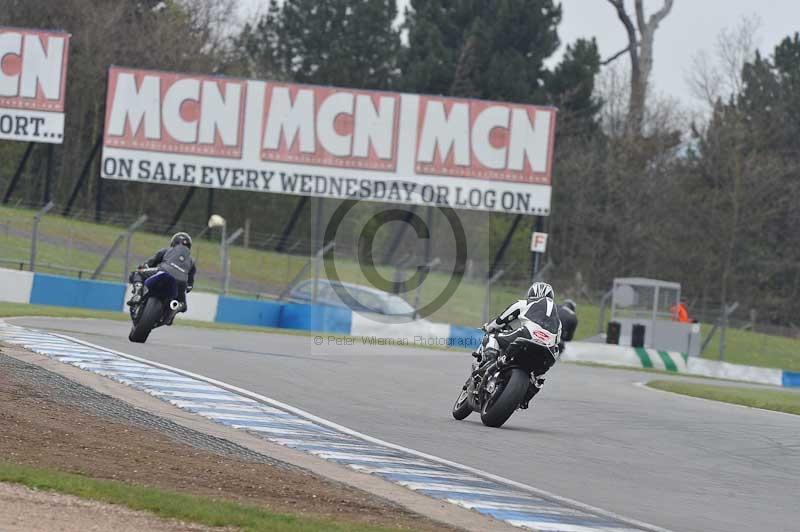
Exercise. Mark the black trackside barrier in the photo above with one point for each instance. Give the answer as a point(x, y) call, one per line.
point(613, 332)
point(637, 336)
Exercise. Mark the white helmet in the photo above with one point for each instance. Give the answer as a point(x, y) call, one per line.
point(539, 290)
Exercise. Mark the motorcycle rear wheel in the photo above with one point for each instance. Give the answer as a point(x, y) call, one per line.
point(497, 409)
point(150, 315)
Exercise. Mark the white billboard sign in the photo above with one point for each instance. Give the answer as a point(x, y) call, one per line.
point(166, 128)
point(33, 82)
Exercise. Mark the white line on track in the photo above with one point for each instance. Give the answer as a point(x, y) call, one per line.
point(644, 386)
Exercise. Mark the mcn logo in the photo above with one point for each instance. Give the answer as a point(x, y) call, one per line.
point(156, 111)
point(33, 69)
point(486, 140)
point(330, 127)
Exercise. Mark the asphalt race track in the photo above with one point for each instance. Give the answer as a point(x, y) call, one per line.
point(591, 435)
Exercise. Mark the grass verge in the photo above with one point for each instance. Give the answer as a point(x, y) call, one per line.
point(171, 505)
point(777, 400)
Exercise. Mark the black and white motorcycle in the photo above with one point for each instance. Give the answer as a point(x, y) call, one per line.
point(497, 388)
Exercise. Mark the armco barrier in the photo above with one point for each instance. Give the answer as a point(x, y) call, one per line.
point(26, 287)
point(736, 372)
point(466, 337)
point(616, 355)
point(247, 312)
point(66, 292)
point(316, 318)
point(791, 379)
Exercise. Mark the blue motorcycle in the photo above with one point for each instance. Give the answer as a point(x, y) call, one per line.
point(158, 305)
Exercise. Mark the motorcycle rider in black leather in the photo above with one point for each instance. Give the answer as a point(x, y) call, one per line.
point(505, 328)
point(568, 314)
point(168, 259)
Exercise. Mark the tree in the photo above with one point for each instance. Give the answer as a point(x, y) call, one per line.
point(641, 40)
point(491, 49)
point(570, 86)
point(351, 43)
point(185, 35)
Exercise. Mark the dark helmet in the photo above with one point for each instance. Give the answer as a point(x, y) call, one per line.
point(540, 290)
point(570, 304)
point(181, 238)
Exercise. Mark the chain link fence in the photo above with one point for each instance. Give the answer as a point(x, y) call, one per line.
point(367, 249)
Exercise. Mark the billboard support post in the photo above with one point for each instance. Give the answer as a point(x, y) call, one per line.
point(287, 230)
point(48, 176)
point(20, 168)
point(536, 257)
point(501, 251)
point(181, 209)
point(83, 175)
point(397, 237)
point(318, 236)
point(98, 199)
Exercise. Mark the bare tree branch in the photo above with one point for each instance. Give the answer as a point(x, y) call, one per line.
point(616, 56)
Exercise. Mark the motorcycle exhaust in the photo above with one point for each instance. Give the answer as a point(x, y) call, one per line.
point(174, 304)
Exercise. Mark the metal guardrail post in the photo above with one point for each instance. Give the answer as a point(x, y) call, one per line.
point(128, 237)
point(35, 233)
point(487, 299)
point(426, 269)
point(107, 256)
point(226, 261)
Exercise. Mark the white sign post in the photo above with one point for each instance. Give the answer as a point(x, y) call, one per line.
point(33, 78)
point(539, 242)
point(257, 136)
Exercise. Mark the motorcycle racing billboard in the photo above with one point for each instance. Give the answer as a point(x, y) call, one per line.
point(203, 131)
point(33, 82)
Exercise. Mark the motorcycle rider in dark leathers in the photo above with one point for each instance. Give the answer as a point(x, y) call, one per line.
point(568, 314)
point(179, 250)
point(505, 328)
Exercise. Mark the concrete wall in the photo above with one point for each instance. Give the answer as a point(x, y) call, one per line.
point(15, 286)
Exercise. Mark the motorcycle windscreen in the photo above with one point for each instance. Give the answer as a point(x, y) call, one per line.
point(544, 313)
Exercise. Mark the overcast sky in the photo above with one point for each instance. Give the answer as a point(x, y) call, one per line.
point(693, 25)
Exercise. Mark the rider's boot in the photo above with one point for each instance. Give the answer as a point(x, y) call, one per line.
point(136, 296)
point(489, 356)
point(533, 389)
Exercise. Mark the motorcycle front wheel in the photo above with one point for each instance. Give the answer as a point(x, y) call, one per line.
point(507, 396)
point(462, 408)
point(149, 317)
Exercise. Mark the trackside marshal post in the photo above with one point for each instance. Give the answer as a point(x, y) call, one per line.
point(256, 136)
point(33, 77)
